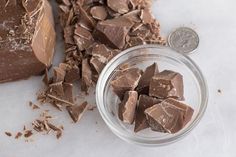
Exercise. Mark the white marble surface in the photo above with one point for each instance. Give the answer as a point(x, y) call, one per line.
point(215, 135)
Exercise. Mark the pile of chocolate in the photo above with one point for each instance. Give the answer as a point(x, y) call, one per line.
point(151, 99)
point(96, 30)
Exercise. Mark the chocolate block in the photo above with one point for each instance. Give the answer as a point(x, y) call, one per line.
point(127, 107)
point(113, 31)
point(125, 80)
point(167, 84)
point(144, 102)
point(144, 82)
point(170, 115)
point(27, 38)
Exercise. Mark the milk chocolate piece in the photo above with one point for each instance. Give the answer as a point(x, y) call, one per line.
point(144, 82)
point(72, 75)
point(127, 107)
point(171, 115)
point(77, 111)
point(27, 38)
point(144, 102)
point(100, 56)
point(86, 76)
point(113, 31)
point(167, 84)
point(120, 6)
point(125, 80)
point(68, 92)
point(98, 12)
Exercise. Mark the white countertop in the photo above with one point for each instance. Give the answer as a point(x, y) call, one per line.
point(215, 136)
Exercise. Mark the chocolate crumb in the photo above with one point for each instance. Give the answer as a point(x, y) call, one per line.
point(18, 135)
point(219, 91)
point(8, 134)
point(28, 133)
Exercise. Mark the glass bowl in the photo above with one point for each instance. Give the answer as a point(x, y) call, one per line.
point(195, 89)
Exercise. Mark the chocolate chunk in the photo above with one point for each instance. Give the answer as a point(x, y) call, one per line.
point(144, 102)
point(120, 6)
point(58, 74)
point(108, 29)
point(97, 64)
point(72, 75)
point(146, 16)
point(144, 82)
point(83, 33)
point(85, 20)
point(86, 76)
point(170, 115)
point(82, 43)
point(77, 111)
point(98, 12)
point(127, 107)
point(57, 89)
point(27, 38)
point(134, 16)
point(167, 84)
point(187, 110)
point(125, 80)
point(68, 92)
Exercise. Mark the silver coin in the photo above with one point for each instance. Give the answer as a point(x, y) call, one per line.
point(183, 40)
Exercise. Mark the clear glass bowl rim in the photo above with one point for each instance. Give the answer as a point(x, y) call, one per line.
point(143, 141)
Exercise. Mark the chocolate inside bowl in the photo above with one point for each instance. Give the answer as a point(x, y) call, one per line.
point(141, 57)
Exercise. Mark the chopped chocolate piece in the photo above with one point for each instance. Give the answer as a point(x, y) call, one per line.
point(144, 82)
point(97, 64)
point(101, 52)
point(134, 16)
point(85, 20)
point(68, 35)
point(57, 89)
point(120, 6)
point(72, 75)
point(59, 74)
point(170, 114)
point(108, 29)
point(82, 43)
point(77, 111)
point(144, 102)
point(167, 84)
point(18, 135)
point(98, 12)
point(146, 16)
point(59, 134)
point(59, 100)
point(86, 76)
point(126, 80)
point(28, 133)
point(68, 91)
point(187, 110)
point(8, 134)
point(127, 107)
point(83, 33)
point(27, 38)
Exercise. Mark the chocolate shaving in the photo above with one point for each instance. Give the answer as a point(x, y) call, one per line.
point(28, 133)
point(18, 135)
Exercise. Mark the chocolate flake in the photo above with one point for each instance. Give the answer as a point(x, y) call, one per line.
point(120, 6)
